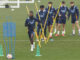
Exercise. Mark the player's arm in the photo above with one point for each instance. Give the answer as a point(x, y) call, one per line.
point(69, 14)
point(67, 11)
point(60, 12)
point(26, 23)
point(77, 13)
point(54, 11)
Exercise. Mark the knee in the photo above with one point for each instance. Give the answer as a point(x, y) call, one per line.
point(76, 22)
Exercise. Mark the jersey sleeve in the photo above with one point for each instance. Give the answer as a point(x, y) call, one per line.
point(37, 16)
point(77, 13)
point(26, 23)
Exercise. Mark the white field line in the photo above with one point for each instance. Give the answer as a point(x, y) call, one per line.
point(49, 40)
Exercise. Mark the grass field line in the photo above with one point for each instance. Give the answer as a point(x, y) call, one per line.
point(49, 40)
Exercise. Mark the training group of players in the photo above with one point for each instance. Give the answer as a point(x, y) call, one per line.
point(51, 12)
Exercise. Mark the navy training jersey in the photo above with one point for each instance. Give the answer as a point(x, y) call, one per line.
point(30, 23)
point(51, 12)
point(42, 15)
point(63, 11)
point(74, 12)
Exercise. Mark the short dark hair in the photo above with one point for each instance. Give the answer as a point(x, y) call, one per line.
point(63, 2)
point(31, 12)
point(50, 2)
point(71, 2)
point(41, 6)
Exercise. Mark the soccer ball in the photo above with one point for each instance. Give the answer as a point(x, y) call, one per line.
point(9, 56)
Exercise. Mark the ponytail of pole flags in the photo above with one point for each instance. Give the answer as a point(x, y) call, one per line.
point(39, 42)
point(54, 19)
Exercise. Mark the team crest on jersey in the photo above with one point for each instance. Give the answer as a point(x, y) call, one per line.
point(63, 10)
point(31, 22)
point(42, 15)
point(72, 11)
point(50, 12)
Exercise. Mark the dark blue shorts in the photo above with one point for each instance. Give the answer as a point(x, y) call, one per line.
point(62, 21)
point(57, 20)
point(49, 23)
point(73, 20)
point(30, 33)
point(40, 30)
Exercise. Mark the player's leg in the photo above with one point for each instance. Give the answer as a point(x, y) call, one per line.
point(73, 29)
point(38, 30)
point(59, 27)
point(48, 28)
point(31, 39)
point(64, 22)
point(51, 30)
point(63, 32)
point(56, 27)
point(73, 26)
point(77, 24)
point(45, 33)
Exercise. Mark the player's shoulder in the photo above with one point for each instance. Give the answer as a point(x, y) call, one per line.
point(75, 7)
point(27, 20)
point(46, 8)
point(39, 11)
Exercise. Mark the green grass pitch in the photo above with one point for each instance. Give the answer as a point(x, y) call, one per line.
point(63, 48)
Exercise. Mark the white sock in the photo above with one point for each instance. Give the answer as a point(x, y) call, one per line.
point(73, 31)
point(79, 31)
point(55, 30)
point(51, 34)
point(32, 47)
point(58, 32)
point(64, 31)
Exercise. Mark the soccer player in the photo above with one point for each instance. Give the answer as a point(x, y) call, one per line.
point(57, 20)
point(50, 17)
point(42, 15)
point(74, 12)
point(63, 15)
point(30, 23)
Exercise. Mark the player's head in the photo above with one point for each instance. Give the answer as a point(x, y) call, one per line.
point(72, 3)
point(63, 3)
point(31, 14)
point(41, 7)
point(49, 4)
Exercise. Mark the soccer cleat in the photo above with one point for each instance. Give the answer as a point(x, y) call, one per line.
point(73, 34)
point(62, 34)
point(42, 39)
point(57, 35)
point(32, 48)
